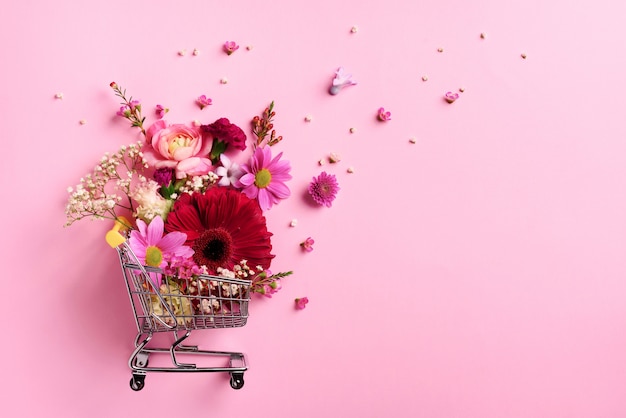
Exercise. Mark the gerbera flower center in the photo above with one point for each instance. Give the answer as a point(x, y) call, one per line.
point(154, 256)
point(213, 248)
point(262, 178)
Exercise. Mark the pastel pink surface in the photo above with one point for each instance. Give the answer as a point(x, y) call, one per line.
point(476, 273)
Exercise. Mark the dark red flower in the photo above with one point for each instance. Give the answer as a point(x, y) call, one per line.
point(224, 131)
point(223, 227)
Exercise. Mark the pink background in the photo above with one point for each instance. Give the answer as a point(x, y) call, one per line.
point(476, 273)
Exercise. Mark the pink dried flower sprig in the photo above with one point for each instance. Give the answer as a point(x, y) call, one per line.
point(230, 47)
point(384, 115)
point(267, 284)
point(263, 125)
point(203, 101)
point(323, 189)
point(301, 302)
point(451, 97)
point(307, 244)
point(131, 109)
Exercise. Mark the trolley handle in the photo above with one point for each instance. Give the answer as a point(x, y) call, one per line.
point(116, 237)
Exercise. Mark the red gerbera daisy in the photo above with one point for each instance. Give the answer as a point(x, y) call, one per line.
point(224, 227)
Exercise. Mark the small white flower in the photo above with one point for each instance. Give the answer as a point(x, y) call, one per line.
point(229, 172)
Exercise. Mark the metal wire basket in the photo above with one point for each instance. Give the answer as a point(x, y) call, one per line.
point(163, 303)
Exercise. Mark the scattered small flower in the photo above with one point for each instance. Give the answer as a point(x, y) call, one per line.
point(196, 123)
point(350, 170)
point(223, 80)
point(58, 96)
point(230, 47)
point(424, 78)
point(383, 115)
point(321, 162)
point(293, 223)
point(307, 244)
point(308, 118)
point(451, 97)
point(352, 130)
point(323, 189)
point(195, 52)
point(334, 157)
point(439, 49)
point(82, 122)
point(412, 140)
point(341, 80)
point(461, 89)
point(161, 111)
point(182, 52)
point(301, 302)
point(523, 56)
point(249, 48)
point(354, 29)
point(203, 101)
point(483, 35)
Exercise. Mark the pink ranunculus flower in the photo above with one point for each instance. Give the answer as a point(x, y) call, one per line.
point(179, 147)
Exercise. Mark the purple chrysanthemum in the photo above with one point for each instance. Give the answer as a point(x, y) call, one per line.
point(323, 189)
point(264, 178)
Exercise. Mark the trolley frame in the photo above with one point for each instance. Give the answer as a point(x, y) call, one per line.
point(159, 306)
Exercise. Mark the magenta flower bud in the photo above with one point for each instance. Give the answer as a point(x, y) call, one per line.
point(307, 244)
point(230, 47)
point(203, 101)
point(383, 115)
point(451, 97)
point(163, 176)
point(301, 302)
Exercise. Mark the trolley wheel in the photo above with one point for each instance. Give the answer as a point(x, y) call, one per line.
point(236, 380)
point(137, 382)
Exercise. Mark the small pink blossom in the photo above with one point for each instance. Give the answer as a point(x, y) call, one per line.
point(307, 244)
point(451, 97)
point(160, 111)
point(272, 287)
point(230, 47)
point(134, 104)
point(301, 302)
point(383, 115)
point(123, 112)
point(203, 101)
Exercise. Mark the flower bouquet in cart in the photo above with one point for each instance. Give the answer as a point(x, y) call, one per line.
point(196, 216)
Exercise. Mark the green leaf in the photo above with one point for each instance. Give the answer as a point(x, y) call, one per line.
point(216, 150)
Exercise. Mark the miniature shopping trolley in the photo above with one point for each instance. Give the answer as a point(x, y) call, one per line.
point(162, 304)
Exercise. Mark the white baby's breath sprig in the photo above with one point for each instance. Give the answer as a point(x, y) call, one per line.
point(106, 190)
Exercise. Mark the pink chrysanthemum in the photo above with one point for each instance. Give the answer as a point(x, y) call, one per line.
point(264, 178)
point(153, 249)
point(323, 189)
